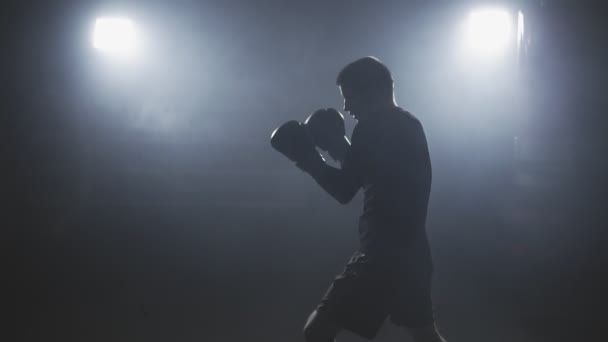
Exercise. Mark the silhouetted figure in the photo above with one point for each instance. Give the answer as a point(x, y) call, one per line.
point(390, 274)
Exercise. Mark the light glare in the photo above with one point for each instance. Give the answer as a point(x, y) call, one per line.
point(114, 35)
point(520, 28)
point(489, 31)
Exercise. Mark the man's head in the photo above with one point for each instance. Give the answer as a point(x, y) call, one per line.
point(367, 86)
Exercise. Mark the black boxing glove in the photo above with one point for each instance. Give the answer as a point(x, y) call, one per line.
point(326, 129)
point(293, 140)
point(326, 126)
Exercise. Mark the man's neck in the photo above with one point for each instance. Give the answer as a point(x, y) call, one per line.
point(379, 111)
point(384, 107)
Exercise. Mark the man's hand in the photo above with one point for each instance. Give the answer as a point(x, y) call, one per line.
point(293, 140)
point(326, 129)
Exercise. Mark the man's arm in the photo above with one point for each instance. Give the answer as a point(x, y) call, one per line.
point(292, 140)
point(339, 183)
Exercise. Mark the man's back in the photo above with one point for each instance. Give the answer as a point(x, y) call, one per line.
point(390, 156)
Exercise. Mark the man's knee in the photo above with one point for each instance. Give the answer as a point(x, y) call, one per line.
point(320, 328)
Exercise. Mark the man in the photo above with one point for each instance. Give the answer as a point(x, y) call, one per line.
point(390, 274)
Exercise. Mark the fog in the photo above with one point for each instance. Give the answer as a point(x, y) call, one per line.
point(144, 199)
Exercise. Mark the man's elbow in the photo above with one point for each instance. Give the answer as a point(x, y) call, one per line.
point(345, 198)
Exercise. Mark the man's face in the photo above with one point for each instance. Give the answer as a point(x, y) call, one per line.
point(354, 103)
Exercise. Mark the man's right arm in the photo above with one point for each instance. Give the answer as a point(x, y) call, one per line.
point(339, 183)
point(343, 183)
point(292, 140)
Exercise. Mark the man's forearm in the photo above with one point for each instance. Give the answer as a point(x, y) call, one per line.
point(334, 182)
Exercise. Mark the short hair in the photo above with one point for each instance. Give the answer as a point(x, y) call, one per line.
point(367, 74)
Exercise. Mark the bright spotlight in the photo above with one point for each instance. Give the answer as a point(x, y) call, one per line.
point(489, 31)
point(115, 36)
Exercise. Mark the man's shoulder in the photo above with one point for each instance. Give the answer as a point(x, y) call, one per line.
point(405, 115)
point(401, 123)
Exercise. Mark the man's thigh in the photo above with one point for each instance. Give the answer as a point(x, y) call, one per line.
point(411, 303)
point(358, 299)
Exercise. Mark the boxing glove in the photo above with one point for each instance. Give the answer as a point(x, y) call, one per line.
point(293, 140)
point(326, 128)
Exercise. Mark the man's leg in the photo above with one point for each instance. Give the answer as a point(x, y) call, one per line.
point(427, 333)
point(320, 328)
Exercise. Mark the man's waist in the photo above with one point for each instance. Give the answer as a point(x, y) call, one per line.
point(392, 217)
point(389, 233)
point(413, 247)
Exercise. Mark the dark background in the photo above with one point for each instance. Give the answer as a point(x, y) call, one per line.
point(143, 201)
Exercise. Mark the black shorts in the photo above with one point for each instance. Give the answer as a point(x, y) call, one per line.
point(372, 288)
